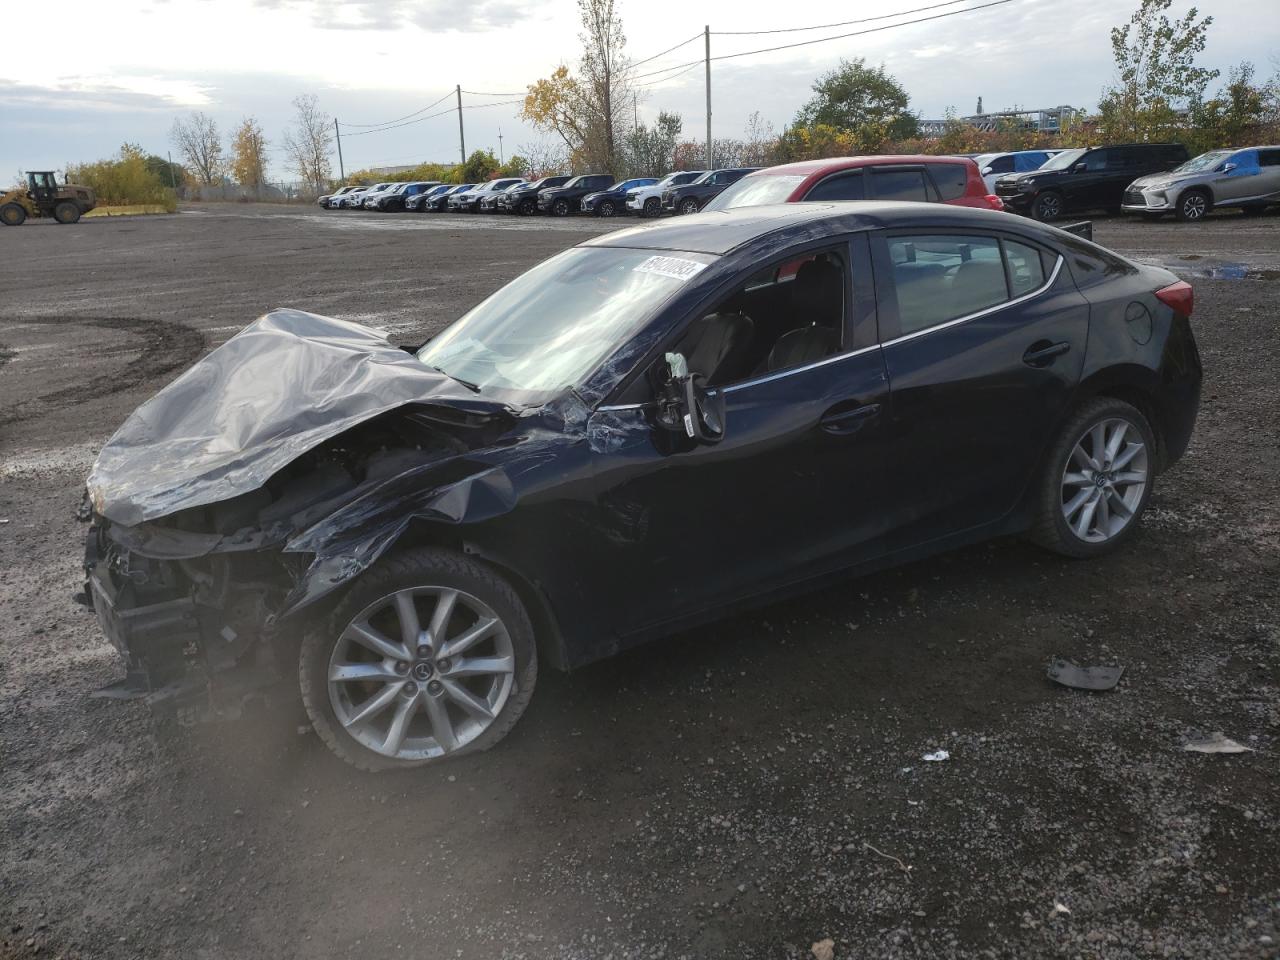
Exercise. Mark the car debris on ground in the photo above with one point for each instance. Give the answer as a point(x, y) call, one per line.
point(1084, 678)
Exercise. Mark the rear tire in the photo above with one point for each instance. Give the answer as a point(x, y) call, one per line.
point(1194, 205)
point(328, 647)
point(66, 212)
point(1090, 505)
point(12, 215)
point(1047, 206)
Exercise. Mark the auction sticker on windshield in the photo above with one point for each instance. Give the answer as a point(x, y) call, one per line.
point(674, 267)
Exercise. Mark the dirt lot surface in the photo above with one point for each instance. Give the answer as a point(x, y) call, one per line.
point(740, 792)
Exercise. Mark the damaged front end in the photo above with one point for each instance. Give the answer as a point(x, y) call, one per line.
point(215, 531)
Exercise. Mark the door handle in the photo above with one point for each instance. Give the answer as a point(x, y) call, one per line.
point(1042, 353)
point(842, 419)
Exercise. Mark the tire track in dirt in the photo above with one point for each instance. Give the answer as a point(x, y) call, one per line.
point(166, 346)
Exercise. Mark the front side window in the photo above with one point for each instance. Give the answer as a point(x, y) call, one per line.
point(899, 184)
point(787, 315)
point(843, 186)
point(544, 332)
point(1003, 164)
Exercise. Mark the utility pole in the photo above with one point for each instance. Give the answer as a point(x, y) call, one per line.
point(501, 161)
point(173, 180)
point(706, 30)
point(462, 140)
point(342, 172)
point(635, 108)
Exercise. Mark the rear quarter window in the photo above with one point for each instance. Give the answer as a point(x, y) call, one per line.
point(899, 184)
point(951, 179)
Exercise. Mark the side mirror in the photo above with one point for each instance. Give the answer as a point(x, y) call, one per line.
point(1079, 166)
point(986, 171)
point(688, 407)
point(1228, 167)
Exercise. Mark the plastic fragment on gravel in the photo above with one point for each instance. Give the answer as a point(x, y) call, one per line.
point(1060, 910)
point(1084, 678)
point(823, 949)
point(1216, 743)
point(936, 757)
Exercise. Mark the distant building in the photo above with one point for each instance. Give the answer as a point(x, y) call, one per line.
point(393, 170)
point(1039, 119)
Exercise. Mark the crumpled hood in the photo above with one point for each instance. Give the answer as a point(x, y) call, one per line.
point(282, 386)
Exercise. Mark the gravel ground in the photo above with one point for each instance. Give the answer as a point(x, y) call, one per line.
point(740, 792)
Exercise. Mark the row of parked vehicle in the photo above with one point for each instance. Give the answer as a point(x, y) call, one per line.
point(1152, 179)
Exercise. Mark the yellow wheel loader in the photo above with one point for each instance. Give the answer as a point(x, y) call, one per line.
point(42, 197)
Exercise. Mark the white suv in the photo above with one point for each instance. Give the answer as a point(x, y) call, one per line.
point(647, 201)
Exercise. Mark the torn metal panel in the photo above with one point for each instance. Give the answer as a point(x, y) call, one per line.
point(282, 386)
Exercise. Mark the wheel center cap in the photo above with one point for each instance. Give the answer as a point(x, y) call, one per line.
point(1100, 479)
point(422, 670)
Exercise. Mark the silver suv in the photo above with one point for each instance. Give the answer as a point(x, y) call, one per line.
point(1248, 178)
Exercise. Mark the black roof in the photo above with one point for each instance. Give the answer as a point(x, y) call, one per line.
point(719, 232)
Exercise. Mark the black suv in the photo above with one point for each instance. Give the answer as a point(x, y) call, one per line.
point(562, 201)
point(1086, 178)
point(692, 197)
point(524, 198)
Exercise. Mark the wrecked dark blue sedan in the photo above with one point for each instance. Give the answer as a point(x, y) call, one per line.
point(645, 432)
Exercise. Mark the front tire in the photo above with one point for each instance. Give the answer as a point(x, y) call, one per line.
point(66, 212)
point(430, 655)
point(1047, 206)
point(607, 208)
point(1194, 205)
point(653, 207)
point(12, 215)
point(1097, 480)
point(560, 208)
point(689, 206)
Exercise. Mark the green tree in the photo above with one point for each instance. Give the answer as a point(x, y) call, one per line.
point(1156, 72)
point(854, 96)
point(480, 166)
point(650, 151)
point(1233, 118)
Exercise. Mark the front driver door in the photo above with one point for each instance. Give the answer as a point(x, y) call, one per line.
point(792, 490)
point(985, 337)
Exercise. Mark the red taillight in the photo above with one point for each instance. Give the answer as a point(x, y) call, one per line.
point(1179, 296)
point(994, 202)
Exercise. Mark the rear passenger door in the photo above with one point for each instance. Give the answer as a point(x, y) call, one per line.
point(984, 337)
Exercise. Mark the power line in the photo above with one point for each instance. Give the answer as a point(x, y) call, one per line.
point(684, 43)
point(432, 116)
point(827, 26)
point(514, 93)
point(839, 36)
point(398, 119)
point(681, 72)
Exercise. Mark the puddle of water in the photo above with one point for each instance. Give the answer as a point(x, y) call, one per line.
point(1195, 266)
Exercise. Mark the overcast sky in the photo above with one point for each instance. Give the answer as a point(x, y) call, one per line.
point(374, 60)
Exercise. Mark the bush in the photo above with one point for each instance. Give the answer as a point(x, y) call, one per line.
point(123, 181)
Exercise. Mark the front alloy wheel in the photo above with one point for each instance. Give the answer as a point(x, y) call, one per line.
point(429, 656)
point(689, 206)
point(1047, 206)
point(606, 209)
point(1193, 205)
point(1098, 480)
point(652, 207)
point(560, 208)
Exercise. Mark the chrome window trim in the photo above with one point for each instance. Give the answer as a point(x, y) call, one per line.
point(1053, 276)
point(756, 381)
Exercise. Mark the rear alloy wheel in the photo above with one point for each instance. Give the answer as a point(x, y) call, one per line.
point(12, 215)
point(606, 209)
point(653, 207)
point(689, 206)
point(560, 208)
point(429, 656)
point(1047, 206)
point(1097, 481)
point(1194, 205)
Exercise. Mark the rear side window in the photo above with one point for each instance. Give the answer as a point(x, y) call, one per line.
point(1026, 270)
point(943, 277)
point(843, 186)
point(1269, 158)
point(951, 179)
point(899, 184)
point(1029, 161)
